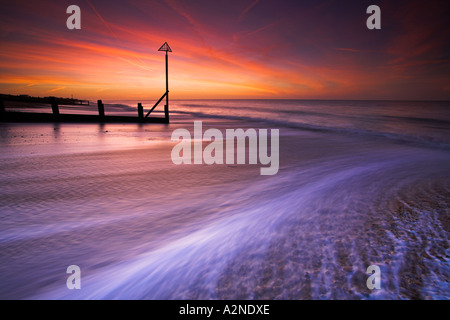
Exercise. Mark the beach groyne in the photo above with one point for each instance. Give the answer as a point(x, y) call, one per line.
point(56, 116)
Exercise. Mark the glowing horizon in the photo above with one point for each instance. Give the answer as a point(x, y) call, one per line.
point(231, 49)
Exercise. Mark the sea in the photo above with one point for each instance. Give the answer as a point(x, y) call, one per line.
point(360, 185)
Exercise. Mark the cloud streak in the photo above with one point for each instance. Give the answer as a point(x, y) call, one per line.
point(247, 9)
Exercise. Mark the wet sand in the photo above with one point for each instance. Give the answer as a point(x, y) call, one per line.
point(337, 205)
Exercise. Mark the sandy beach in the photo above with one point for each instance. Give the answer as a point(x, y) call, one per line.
point(109, 199)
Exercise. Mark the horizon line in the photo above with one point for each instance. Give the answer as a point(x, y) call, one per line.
point(184, 99)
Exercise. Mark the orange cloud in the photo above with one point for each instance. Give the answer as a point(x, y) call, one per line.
point(56, 89)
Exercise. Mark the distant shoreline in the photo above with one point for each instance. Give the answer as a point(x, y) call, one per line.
point(50, 99)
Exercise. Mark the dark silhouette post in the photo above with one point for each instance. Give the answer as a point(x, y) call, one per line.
point(166, 108)
point(55, 108)
point(2, 108)
point(165, 47)
point(101, 109)
point(140, 111)
point(166, 112)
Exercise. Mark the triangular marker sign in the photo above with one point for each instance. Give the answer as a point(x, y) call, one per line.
point(165, 47)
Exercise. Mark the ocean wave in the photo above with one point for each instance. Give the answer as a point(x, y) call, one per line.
point(421, 141)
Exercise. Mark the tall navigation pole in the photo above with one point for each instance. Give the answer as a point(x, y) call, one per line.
point(165, 47)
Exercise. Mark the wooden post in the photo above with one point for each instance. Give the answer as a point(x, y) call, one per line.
point(101, 109)
point(55, 108)
point(2, 108)
point(166, 112)
point(140, 111)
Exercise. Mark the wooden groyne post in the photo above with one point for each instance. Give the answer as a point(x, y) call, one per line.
point(55, 108)
point(166, 112)
point(101, 109)
point(140, 111)
point(2, 108)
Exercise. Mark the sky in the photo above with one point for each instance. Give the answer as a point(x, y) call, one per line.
point(226, 49)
